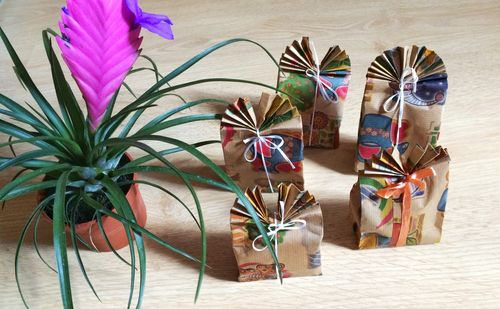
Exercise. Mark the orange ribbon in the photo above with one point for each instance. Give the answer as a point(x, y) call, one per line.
point(403, 188)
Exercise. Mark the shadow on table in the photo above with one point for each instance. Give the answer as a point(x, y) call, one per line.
point(14, 216)
point(221, 263)
point(338, 223)
point(220, 256)
point(340, 159)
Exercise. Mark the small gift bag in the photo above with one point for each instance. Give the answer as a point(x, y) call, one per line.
point(295, 229)
point(263, 145)
point(396, 204)
point(318, 89)
point(404, 96)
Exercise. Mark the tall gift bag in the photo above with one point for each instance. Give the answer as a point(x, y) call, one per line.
point(317, 88)
point(406, 89)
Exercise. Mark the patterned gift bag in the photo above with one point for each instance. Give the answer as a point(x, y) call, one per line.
point(295, 229)
point(263, 145)
point(317, 89)
point(405, 92)
point(396, 204)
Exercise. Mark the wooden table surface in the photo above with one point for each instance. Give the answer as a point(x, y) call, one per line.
point(462, 271)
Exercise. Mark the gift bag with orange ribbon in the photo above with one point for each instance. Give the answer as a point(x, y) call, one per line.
point(317, 88)
point(263, 144)
point(395, 204)
point(295, 228)
point(405, 92)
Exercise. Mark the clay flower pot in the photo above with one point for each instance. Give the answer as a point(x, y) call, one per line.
point(90, 233)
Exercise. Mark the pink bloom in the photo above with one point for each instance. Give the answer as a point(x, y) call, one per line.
point(99, 42)
point(159, 24)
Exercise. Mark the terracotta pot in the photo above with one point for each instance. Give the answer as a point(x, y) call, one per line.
point(90, 233)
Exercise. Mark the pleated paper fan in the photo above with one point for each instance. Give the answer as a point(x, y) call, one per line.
point(391, 63)
point(336, 62)
point(241, 114)
point(255, 198)
point(302, 56)
point(293, 199)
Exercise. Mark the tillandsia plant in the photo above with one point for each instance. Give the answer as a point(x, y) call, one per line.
point(80, 166)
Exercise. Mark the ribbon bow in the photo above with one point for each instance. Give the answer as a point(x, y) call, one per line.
point(409, 77)
point(255, 143)
point(322, 85)
point(402, 188)
point(276, 227)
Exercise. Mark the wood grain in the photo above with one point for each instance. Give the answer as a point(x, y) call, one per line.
point(462, 271)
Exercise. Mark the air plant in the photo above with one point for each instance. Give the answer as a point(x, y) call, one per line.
point(82, 158)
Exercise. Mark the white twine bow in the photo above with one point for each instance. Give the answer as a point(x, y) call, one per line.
point(276, 227)
point(321, 87)
point(256, 143)
point(408, 77)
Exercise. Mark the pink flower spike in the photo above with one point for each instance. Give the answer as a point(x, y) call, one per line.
point(99, 42)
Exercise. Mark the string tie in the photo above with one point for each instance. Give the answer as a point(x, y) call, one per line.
point(276, 227)
point(409, 77)
point(257, 142)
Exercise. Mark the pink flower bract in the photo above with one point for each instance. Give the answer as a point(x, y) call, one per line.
point(99, 43)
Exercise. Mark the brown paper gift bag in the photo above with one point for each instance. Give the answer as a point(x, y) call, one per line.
point(405, 92)
point(263, 144)
point(295, 229)
point(397, 205)
point(317, 89)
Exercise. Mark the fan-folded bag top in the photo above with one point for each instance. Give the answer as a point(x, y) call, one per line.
point(295, 228)
point(406, 89)
point(263, 144)
point(317, 89)
point(396, 204)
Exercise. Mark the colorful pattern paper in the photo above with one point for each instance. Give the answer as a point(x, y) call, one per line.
point(298, 247)
point(396, 204)
point(274, 158)
point(319, 97)
point(421, 119)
